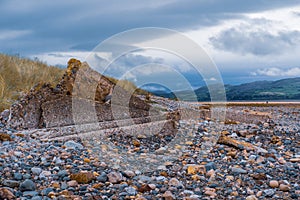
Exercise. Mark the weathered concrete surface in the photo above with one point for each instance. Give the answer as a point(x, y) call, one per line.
point(48, 106)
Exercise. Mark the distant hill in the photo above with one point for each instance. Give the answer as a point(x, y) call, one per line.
point(284, 89)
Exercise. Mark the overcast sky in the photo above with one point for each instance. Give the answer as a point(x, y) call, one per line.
point(248, 40)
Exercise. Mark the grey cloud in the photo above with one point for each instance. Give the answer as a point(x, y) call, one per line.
point(123, 64)
point(61, 25)
point(277, 72)
point(296, 13)
point(248, 39)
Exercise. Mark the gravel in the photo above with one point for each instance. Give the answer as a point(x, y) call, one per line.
point(31, 168)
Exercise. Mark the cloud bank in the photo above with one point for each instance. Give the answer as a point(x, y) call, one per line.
point(276, 72)
point(255, 38)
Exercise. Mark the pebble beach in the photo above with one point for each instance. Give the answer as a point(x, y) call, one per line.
point(31, 168)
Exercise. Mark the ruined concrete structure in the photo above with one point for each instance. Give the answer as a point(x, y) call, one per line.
point(48, 106)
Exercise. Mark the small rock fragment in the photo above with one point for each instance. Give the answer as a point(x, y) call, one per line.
point(252, 197)
point(194, 169)
point(27, 185)
point(83, 177)
point(11, 183)
point(6, 194)
point(174, 182)
point(269, 192)
point(168, 195)
point(273, 184)
point(237, 170)
point(131, 191)
point(284, 188)
point(5, 137)
point(72, 183)
point(129, 173)
point(73, 145)
point(36, 170)
point(114, 177)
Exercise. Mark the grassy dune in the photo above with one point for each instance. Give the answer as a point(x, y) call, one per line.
point(19, 75)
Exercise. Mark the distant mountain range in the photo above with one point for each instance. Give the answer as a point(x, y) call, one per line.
point(284, 89)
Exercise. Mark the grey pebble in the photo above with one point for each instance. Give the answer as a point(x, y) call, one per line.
point(131, 191)
point(11, 183)
point(237, 170)
point(73, 145)
point(102, 178)
point(18, 176)
point(269, 192)
point(27, 185)
point(36, 170)
point(210, 165)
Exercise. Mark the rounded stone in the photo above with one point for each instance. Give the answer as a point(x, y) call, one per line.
point(269, 192)
point(174, 182)
point(18, 176)
point(36, 170)
point(114, 177)
point(252, 197)
point(284, 188)
point(27, 185)
point(131, 191)
point(273, 184)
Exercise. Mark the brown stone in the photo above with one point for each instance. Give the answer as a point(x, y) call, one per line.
point(295, 159)
point(114, 177)
point(281, 160)
point(174, 182)
point(211, 173)
point(20, 135)
point(284, 187)
point(274, 184)
point(259, 176)
point(5, 137)
point(140, 198)
point(243, 133)
point(168, 195)
point(210, 192)
point(55, 185)
point(98, 185)
point(194, 169)
point(252, 197)
point(144, 188)
point(72, 183)
point(275, 140)
point(136, 143)
point(259, 193)
point(232, 153)
point(196, 177)
point(83, 177)
point(164, 173)
point(6, 194)
point(234, 193)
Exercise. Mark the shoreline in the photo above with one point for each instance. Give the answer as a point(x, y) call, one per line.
point(252, 102)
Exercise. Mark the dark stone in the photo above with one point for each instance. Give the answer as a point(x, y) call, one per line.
point(46, 191)
point(102, 178)
point(18, 176)
point(11, 183)
point(62, 173)
point(210, 165)
point(27, 185)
